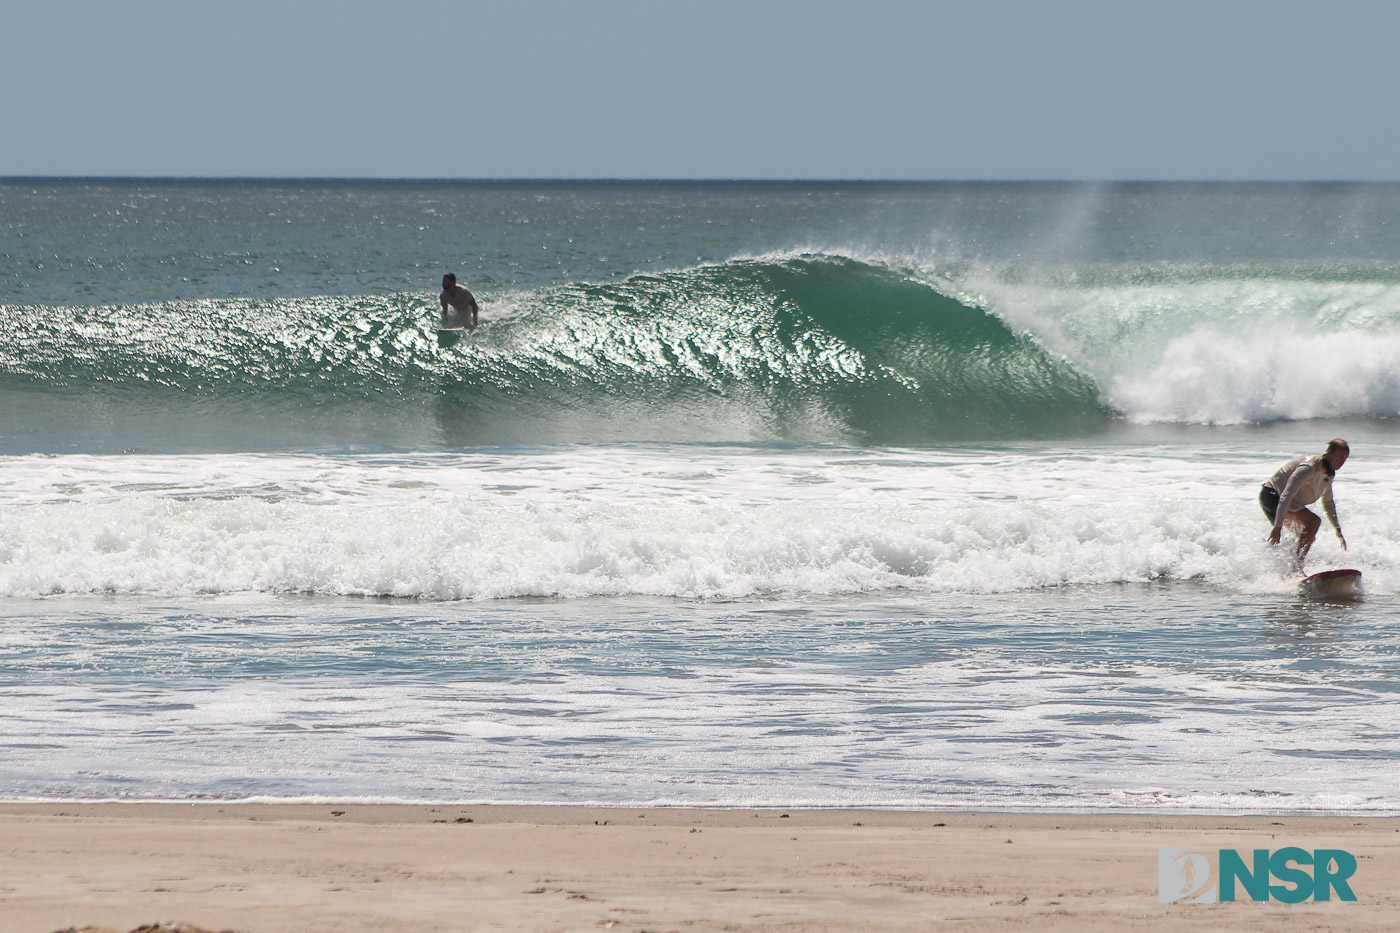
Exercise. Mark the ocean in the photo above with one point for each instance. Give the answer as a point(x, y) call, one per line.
point(743, 494)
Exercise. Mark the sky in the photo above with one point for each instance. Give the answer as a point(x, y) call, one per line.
point(755, 89)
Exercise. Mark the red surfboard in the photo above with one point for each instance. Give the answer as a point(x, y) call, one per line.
point(1332, 584)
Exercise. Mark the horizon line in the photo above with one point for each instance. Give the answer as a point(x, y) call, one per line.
point(606, 180)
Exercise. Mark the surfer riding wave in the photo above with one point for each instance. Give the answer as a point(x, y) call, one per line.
point(1299, 483)
point(458, 304)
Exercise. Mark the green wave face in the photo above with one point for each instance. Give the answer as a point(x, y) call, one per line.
point(807, 349)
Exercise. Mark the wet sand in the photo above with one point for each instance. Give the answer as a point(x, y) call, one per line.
point(280, 868)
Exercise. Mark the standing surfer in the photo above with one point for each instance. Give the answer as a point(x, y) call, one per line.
point(458, 305)
point(1301, 482)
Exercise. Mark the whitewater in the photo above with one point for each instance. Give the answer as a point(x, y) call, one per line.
point(832, 495)
point(635, 520)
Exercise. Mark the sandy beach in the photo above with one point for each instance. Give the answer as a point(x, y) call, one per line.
point(280, 868)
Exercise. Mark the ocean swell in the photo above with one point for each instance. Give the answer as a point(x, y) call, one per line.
point(809, 348)
point(785, 348)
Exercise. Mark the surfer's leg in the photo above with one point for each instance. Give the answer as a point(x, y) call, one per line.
point(1307, 532)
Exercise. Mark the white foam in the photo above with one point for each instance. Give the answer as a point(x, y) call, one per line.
point(1285, 374)
point(1247, 344)
point(661, 521)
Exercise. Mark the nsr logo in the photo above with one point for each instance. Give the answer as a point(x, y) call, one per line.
point(1184, 875)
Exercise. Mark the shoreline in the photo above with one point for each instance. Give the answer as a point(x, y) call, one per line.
point(365, 809)
point(283, 867)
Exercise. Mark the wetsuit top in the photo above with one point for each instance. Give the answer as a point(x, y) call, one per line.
point(1302, 481)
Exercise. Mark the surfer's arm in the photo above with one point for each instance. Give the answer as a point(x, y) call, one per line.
point(1330, 506)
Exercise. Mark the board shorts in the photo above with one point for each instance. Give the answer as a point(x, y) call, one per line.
point(1268, 501)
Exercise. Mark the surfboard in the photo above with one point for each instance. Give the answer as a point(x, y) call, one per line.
point(1332, 584)
point(447, 336)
